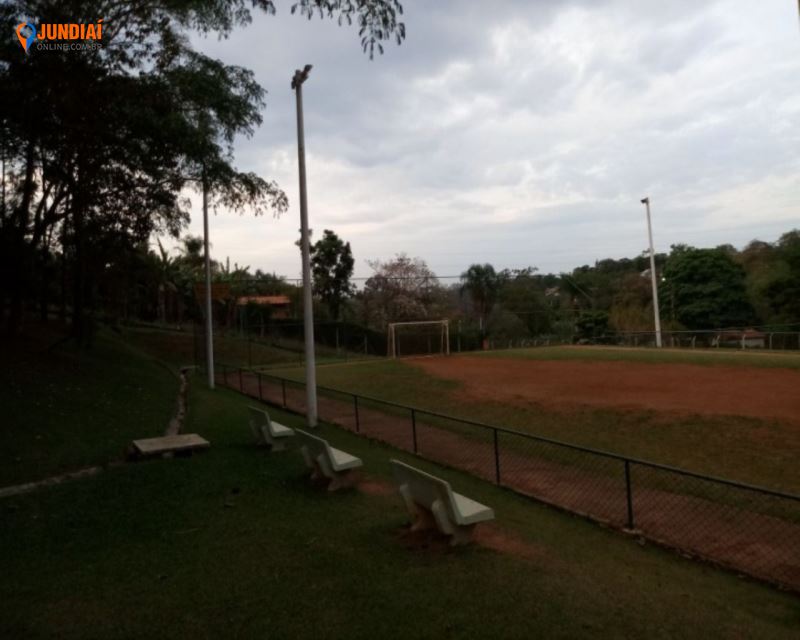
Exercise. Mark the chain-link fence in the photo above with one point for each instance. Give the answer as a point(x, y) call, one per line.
point(709, 339)
point(749, 529)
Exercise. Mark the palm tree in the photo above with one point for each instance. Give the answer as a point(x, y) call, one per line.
point(191, 257)
point(168, 275)
point(482, 283)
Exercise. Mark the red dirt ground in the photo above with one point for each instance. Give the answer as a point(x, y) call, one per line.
point(740, 537)
point(681, 388)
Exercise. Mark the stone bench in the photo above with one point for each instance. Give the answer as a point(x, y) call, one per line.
point(336, 466)
point(432, 502)
point(266, 431)
point(179, 444)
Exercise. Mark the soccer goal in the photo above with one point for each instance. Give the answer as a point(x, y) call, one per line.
point(423, 338)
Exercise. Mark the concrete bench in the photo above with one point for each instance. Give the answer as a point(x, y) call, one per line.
point(431, 502)
point(179, 444)
point(326, 462)
point(268, 432)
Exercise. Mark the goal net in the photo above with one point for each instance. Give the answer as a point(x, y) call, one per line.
point(428, 337)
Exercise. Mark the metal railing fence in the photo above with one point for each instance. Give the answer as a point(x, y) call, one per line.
point(750, 529)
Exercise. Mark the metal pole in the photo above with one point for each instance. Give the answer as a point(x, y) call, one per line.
point(629, 495)
point(209, 319)
point(496, 458)
point(656, 314)
point(414, 428)
point(355, 409)
point(308, 311)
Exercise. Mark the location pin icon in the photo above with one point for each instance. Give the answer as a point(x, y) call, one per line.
point(26, 41)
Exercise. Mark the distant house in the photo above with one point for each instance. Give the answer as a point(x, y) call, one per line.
point(280, 306)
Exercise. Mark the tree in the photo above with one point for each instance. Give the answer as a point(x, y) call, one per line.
point(401, 289)
point(98, 147)
point(591, 325)
point(503, 325)
point(632, 307)
point(483, 284)
point(783, 291)
point(706, 288)
point(332, 267)
point(523, 293)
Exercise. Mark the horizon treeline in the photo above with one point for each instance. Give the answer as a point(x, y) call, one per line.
point(699, 289)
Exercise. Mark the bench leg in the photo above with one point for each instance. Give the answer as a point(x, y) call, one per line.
point(421, 519)
point(442, 519)
point(338, 479)
point(458, 534)
point(256, 430)
point(316, 474)
point(343, 480)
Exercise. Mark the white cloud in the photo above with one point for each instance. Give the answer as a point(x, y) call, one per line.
point(526, 133)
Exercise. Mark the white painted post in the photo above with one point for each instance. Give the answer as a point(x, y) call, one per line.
point(209, 318)
point(308, 309)
point(646, 202)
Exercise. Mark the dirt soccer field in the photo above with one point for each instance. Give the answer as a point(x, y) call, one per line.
point(764, 393)
point(751, 532)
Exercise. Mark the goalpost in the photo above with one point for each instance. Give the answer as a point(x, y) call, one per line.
point(424, 337)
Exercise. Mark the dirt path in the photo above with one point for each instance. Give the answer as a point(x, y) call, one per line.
point(727, 526)
point(682, 388)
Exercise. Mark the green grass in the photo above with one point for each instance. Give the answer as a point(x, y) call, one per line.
point(177, 348)
point(710, 357)
point(63, 409)
point(762, 452)
point(235, 543)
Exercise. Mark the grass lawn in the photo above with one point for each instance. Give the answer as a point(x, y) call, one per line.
point(728, 357)
point(234, 543)
point(762, 452)
point(64, 409)
point(177, 348)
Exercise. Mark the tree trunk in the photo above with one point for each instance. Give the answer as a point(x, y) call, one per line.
point(78, 276)
point(17, 267)
point(62, 310)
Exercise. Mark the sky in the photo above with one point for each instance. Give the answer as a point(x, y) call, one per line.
point(524, 133)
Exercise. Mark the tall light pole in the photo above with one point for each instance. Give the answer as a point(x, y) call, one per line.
point(646, 203)
point(308, 311)
point(207, 258)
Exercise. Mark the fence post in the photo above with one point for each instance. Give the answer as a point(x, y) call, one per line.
point(260, 395)
point(496, 459)
point(628, 494)
point(283, 391)
point(414, 428)
point(225, 374)
point(241, 385)
point(355, 408)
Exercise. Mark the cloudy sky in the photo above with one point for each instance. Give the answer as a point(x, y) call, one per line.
point(525, 133)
